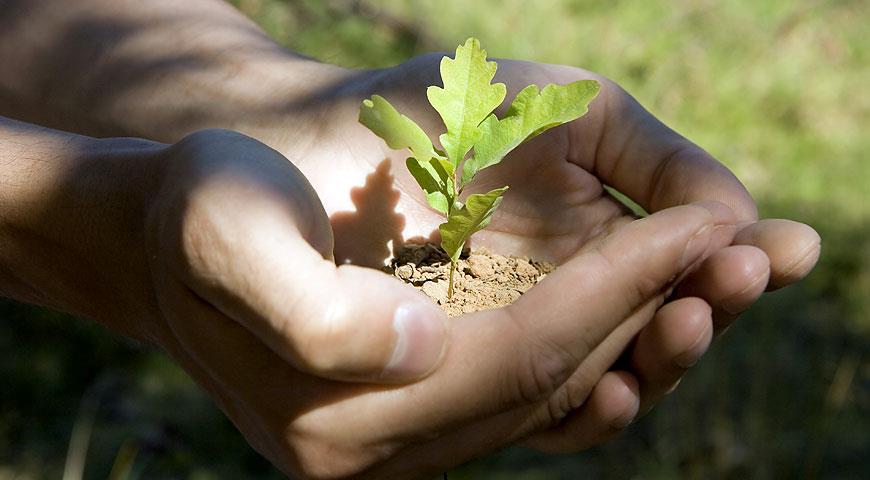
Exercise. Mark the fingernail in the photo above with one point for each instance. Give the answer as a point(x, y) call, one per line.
point(737, 303)
point(674, 386)
point(690, 357)
point(621, 422)
point(420, 342)
point(687, 359)
point(696, 247)
point(733, 307)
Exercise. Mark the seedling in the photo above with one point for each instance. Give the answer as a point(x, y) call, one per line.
point(465, 104)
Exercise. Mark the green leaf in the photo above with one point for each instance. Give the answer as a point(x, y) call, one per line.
point(530, 114)
point(426, 165)
point(396, 129)
point(435, 180)
point(462, 222)
point(466, 99)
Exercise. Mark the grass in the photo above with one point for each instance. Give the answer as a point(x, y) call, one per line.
point(777, 90)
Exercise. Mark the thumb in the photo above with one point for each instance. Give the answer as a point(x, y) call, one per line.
point(347, 322)
point(249, 235)
point(579, 305)
point(533, 346)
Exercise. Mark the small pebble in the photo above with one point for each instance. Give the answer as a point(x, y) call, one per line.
point(480, 266)
point(405, 272)
point(524, 269)
point(436, 290)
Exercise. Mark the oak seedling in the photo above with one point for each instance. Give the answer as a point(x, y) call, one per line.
point(466, 103)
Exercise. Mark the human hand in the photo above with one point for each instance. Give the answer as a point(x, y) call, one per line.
point(557, 205)
point(284, 101)
point(238, 229)
point(217, 250)
point(237, 244)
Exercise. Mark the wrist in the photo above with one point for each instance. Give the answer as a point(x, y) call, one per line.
point(267, 93)
point(284, 102)
point(71, 228)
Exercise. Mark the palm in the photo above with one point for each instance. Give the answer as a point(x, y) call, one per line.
point(553, 208)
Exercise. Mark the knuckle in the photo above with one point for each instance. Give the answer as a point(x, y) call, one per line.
point(311, 446)
point(637, 287)
point(322, 457)
point(327, 338)
point(328, 464)
point(201, 241)
point(568, 398)
point(210, 136)
point(557, 408)
point(188, 221)
point(543, 365)
point(542, 371)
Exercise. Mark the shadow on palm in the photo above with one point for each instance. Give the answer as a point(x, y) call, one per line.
point(365, 236)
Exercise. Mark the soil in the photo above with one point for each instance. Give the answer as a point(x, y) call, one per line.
point(482, 280)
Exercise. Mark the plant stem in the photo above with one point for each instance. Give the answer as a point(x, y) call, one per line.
point(450, 282)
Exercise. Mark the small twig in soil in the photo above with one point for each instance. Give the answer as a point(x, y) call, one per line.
point(450, 282)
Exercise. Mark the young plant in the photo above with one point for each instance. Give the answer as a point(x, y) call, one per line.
point(465, 104)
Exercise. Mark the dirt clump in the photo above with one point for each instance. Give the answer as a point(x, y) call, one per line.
point(483, 280)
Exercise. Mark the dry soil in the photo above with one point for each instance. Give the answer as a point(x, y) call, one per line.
point(483, 279)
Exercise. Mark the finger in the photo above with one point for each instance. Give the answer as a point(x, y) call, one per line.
point(676, 337)
point(793, 248)
point(673, 341)
point(503, 364)
point(571, 394)
point(612, 406)
point(251, 242)
point(730, 281)
point(632, 151)
point(588, 297)
point(534, 345)
point(469, 436)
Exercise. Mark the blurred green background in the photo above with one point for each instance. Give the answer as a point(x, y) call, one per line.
point(778, 90)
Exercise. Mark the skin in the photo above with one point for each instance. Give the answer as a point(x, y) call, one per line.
point(228, 224)
point(202, 246)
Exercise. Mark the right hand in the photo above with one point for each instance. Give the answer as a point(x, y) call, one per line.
point(255, 310)
point(238, 229)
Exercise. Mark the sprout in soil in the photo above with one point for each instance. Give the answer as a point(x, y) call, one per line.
point(465, 103)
